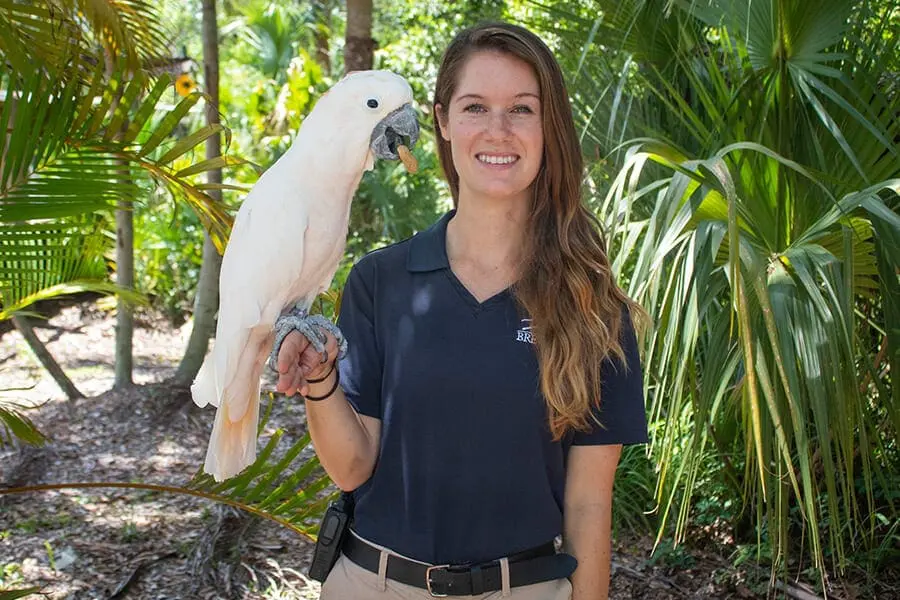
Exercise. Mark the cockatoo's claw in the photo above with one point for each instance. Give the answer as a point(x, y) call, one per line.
point(324, 324)
point(311, 326)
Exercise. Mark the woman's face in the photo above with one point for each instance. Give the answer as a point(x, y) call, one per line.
point(494, 127)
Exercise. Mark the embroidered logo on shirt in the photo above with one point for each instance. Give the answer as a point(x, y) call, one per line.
point(524, 334)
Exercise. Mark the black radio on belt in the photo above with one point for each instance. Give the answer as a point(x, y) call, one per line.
point(332, 532)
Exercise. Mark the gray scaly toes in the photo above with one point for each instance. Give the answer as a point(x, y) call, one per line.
point(320, 323)
point(313, 327)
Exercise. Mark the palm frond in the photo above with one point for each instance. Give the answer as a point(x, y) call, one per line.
point(633, 497)
point(36, 258)
point(15, 425)
point(287, 486)
point(75, 152)
point(70, 288)
point(783, 331)
point(38, 33)
point(19, 593)
point(727, 173)
point(53, 32)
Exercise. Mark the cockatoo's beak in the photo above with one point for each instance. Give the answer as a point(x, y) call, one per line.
point(399, 127)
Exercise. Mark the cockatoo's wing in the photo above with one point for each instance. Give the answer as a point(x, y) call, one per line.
point(264, 257)
point(259, 278)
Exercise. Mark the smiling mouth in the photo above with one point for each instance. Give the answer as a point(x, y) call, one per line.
point(496, 160)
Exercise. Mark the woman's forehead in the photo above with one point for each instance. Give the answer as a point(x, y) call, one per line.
point(491, 74)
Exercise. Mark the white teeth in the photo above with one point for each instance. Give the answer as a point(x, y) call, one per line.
point(497, 160)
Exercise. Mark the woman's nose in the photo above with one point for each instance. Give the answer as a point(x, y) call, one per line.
point(498, 124)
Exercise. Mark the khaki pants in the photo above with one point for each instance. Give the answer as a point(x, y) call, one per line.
point(349, 581)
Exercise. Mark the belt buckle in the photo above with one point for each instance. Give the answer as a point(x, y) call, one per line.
point(428, 582)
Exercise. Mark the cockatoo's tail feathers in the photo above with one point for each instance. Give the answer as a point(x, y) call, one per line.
point(243, 384)
point(204, 390)
point(232, 446)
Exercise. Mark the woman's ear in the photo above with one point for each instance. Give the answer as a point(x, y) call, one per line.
point(441, 117)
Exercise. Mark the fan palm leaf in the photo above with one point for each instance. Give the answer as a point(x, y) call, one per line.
point(775, 331)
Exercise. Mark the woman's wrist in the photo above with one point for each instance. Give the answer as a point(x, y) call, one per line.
point(321, 371)
point(323, 386)
point(321, 374)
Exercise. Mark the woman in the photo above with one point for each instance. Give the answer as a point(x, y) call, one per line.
point(492, 374)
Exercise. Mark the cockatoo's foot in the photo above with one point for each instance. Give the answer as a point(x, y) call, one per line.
point(313, 328)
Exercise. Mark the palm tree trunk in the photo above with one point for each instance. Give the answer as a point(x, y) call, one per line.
point(323, 42)
point(124, 359)
point(206, 302)
point(46, 359)
point(359, 47)
point(125, 279)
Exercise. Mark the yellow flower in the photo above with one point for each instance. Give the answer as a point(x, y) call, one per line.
point(185, 84)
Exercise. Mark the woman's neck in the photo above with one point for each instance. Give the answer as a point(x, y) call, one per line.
point(489, 236)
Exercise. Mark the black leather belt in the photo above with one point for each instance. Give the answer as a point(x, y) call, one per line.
point(538, 564)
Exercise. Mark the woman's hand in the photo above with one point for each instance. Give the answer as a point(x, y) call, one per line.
point(299, 361)
point(346, 442)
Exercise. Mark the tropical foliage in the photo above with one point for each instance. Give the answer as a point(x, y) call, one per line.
point(86, 126)
point(747, 174)
point(742, 156)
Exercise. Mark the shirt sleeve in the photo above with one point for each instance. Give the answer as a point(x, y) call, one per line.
point(621, 413)
point(361, 367)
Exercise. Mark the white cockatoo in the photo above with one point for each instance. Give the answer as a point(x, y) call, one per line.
point(285, 246)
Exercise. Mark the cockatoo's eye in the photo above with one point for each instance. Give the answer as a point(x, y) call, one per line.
point(372, 103)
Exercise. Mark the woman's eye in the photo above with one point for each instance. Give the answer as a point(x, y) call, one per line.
point(522, 108)
point(474, 108)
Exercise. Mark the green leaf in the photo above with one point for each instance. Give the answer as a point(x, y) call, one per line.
point(218, 162)
point(19, 593)
point(222, 186)
point(190, 142)
point(168, 123)
point(147, 108)
point(71, 288)
point(17, 425)
point(129, 97)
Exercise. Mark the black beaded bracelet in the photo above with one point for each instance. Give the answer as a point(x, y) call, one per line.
point(324, 377)
point(337, 380)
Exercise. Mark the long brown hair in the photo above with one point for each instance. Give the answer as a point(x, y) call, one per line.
point(567, 287)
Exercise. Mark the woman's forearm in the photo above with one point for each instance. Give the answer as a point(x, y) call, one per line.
point(588, 517)
point(345, 442)
point(587, 535)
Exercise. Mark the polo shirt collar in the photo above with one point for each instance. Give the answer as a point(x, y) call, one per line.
point(428, 249)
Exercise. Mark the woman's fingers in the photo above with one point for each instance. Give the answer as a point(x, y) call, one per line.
point(292, 349)
point(298, 360)
point(312, 361)
point(299, 382)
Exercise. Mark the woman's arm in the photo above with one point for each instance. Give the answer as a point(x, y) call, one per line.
point(588, 517)
point(346, 442)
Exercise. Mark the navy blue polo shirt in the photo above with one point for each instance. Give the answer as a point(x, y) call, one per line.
point(467, 469)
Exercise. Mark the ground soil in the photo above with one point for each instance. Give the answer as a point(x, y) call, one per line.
point(117, 543)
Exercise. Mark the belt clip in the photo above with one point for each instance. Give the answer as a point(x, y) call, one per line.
point(429, 582)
